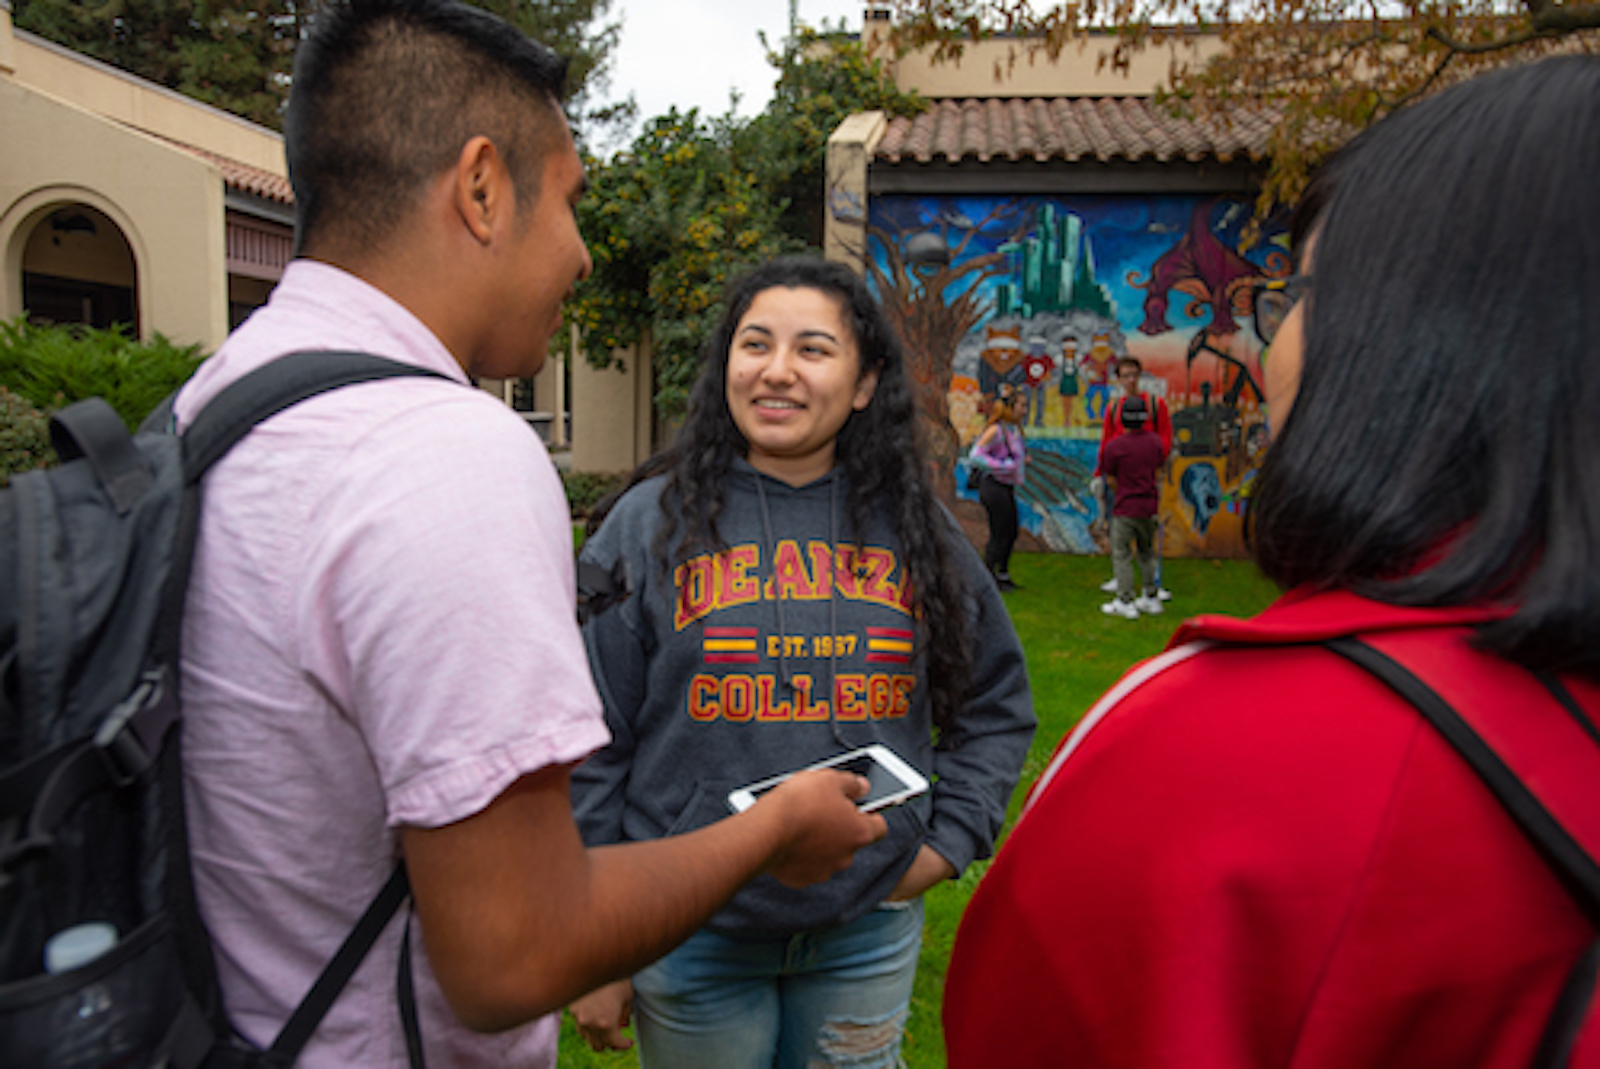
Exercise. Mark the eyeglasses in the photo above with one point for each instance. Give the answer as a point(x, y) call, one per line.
point(1270, 302)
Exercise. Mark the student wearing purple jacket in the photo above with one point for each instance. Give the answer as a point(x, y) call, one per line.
point(1001, 455)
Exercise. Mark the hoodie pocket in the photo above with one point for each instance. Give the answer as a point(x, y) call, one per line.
point(707, 805)
point(907, 828)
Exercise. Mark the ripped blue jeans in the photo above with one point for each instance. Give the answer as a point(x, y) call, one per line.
point(833, 998)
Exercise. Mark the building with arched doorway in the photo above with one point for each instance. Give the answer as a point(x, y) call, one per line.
point(124, 202)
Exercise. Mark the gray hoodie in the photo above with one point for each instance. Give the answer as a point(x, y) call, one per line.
point(742, 665)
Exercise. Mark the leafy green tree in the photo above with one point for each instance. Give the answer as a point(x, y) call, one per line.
point(668, 222)
point(1323, 68)
point(237, 54)
point(822, 79)
point(693, 202)
point(579, 30)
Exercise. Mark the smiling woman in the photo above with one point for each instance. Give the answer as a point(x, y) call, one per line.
point(794, 377)
point(792, 591)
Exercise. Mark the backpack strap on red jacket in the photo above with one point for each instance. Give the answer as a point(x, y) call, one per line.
point(1536, 750)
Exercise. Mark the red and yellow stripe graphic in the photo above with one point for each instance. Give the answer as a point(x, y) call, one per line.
point(730, 645)
point(889, 645)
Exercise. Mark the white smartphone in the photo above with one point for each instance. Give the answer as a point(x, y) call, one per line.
point(891, 781)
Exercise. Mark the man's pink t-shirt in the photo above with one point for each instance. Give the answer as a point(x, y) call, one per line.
point(379, 632)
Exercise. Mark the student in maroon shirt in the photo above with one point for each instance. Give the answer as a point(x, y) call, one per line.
point(1130, 464)
point(1157, 419)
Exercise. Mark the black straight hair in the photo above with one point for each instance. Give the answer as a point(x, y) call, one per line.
point(1444, 445)
point(386, 93)
point(878, 447)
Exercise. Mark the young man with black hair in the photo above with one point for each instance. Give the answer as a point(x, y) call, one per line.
point(1129, 370)
point(380, 654)
point(1132, 461)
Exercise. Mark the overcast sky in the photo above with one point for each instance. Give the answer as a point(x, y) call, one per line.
point(691, 53)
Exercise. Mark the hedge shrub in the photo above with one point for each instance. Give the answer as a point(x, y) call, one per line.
point(585, 488)
point(24, 437)
point(52, 366)
point(43, 368)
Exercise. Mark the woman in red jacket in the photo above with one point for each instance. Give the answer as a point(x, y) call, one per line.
point(1250, 852)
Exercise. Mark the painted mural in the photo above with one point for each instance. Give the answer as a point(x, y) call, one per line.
point(1048, 294)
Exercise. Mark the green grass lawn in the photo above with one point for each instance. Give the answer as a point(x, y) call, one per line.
point(1075, 653)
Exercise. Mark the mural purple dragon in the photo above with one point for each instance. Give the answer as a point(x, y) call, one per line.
point(1204, 269)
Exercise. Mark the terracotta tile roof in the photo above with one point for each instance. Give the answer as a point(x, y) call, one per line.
point(1066, 128)
point(240, 176)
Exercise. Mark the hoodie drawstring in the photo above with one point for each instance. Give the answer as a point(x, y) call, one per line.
point(833, 608)
point(771, 553)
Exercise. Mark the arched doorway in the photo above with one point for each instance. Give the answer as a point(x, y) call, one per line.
point(77, 267)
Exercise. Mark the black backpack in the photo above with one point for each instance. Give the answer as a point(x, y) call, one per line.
point(94, 568)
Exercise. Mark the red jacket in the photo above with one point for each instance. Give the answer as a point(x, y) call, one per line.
point(1257, 855)
point(1160, 422)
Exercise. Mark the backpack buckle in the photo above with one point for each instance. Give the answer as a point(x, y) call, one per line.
point(599, 589)
point(125, 741)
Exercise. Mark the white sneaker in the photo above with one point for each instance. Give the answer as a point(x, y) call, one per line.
point(1117, 607)
point(1151, 606)
point(1109, 586)
point(1163, 594)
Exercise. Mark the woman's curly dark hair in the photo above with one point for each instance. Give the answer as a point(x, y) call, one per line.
point(878, 447)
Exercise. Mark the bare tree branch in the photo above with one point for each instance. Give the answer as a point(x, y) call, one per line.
point(1323, 68)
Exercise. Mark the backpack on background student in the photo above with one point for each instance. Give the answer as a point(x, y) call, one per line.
point(104, 959)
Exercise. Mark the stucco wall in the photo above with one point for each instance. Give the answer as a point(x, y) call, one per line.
point(103, 90)
point(8, 46)
point(850, 149)
point(168, 204)
point(611, 414)
point(1077, 71)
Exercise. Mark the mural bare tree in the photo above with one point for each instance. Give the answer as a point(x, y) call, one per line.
point(932, 292)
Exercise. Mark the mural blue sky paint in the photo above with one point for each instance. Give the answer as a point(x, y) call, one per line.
point(1047, 293)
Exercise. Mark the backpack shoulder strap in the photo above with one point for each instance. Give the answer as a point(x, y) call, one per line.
point(1527, 734)
point(1152, 413)
point(1538, 752)
point(270, 389)
point(224, 420)
point(231, 415)
point(302, 1023)
point(92, 429)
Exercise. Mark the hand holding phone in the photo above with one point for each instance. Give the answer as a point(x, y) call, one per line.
point(890, 780)
point(817, 823)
